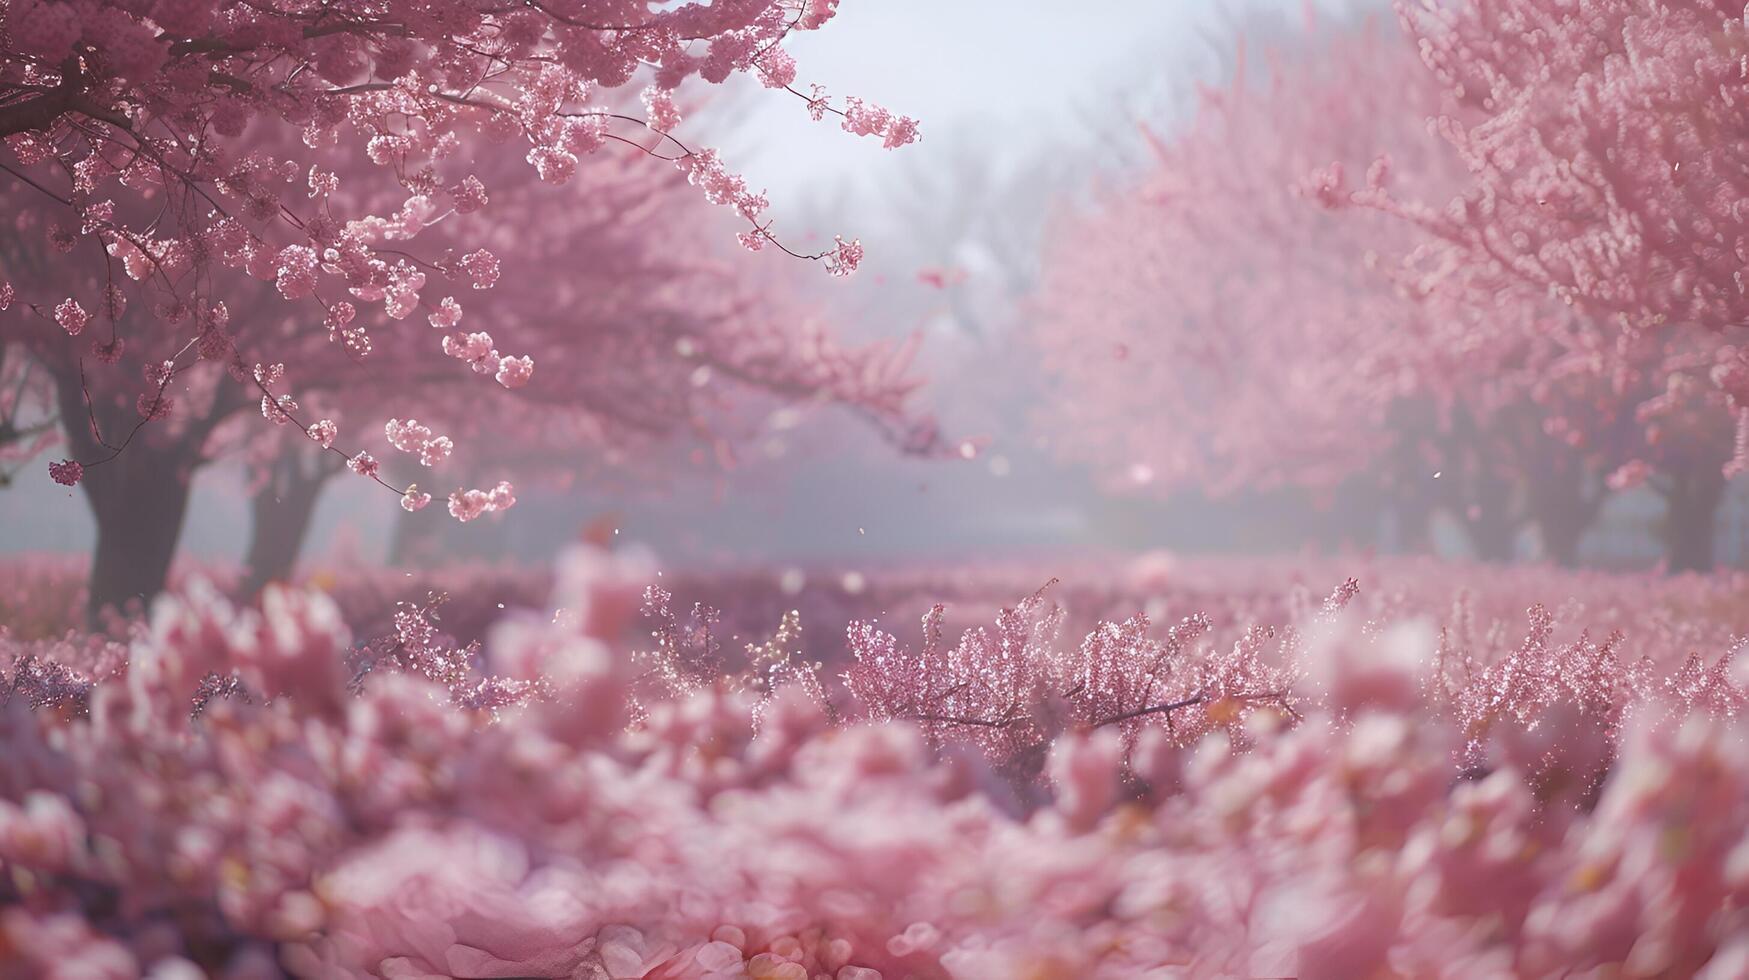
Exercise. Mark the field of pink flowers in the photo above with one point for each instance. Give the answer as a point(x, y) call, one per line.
point(1346, 769)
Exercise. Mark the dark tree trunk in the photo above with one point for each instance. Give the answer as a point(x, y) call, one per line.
point(281, 512)
point(1488, 517)
point(1492, 536)
point(139, 500)
point(137, 490)
point(1563, 510)
point(137, 475)
point(1690, 519)
point(1475, 482)
point(1412, 524)
point(1349, 516)
point(1561, 534)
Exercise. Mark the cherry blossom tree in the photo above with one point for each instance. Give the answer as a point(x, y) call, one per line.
point(1680, 440)
point(168, 152)
point(151, 136)
point(1209, 324)
point(147, 419)
point(1352, 350)
point(1603, 143)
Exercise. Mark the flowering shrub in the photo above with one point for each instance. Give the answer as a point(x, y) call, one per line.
point(247, 791)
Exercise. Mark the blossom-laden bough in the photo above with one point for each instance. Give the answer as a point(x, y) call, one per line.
point(161, 144)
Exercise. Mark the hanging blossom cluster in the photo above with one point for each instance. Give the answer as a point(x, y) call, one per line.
point(865, 119)
point(181, 141)
point(365, 465)
point(408, 436)
point(475, 349)
point(411, 437)
point(536, 807)
point(323, 432)
point(66, 472)
point(466, 505)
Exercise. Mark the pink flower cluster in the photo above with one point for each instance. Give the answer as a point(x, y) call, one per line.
point(341, 328)
point(466, 505)
point(411, 437)
point(67, 472)
point(705, 171)
point(468, 195)
point(278, 408)
point(364, 464)
point(865, 119)
point(481, 268)
point(844, 257)
point(514, 372)
point(323, 432)
point(660, 109)
point(476, 349)
point(71, 317)
point(413, 500)
point(295, 274)
point(551, 804)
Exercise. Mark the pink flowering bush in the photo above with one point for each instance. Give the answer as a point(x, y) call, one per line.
point(251, 791)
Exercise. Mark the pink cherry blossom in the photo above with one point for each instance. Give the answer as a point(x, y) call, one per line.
point(71, 317)
point(163, 156)
point(67, 472)
point(323, 432)
point(413, 500)
point(514, 372)
point(481, 268)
